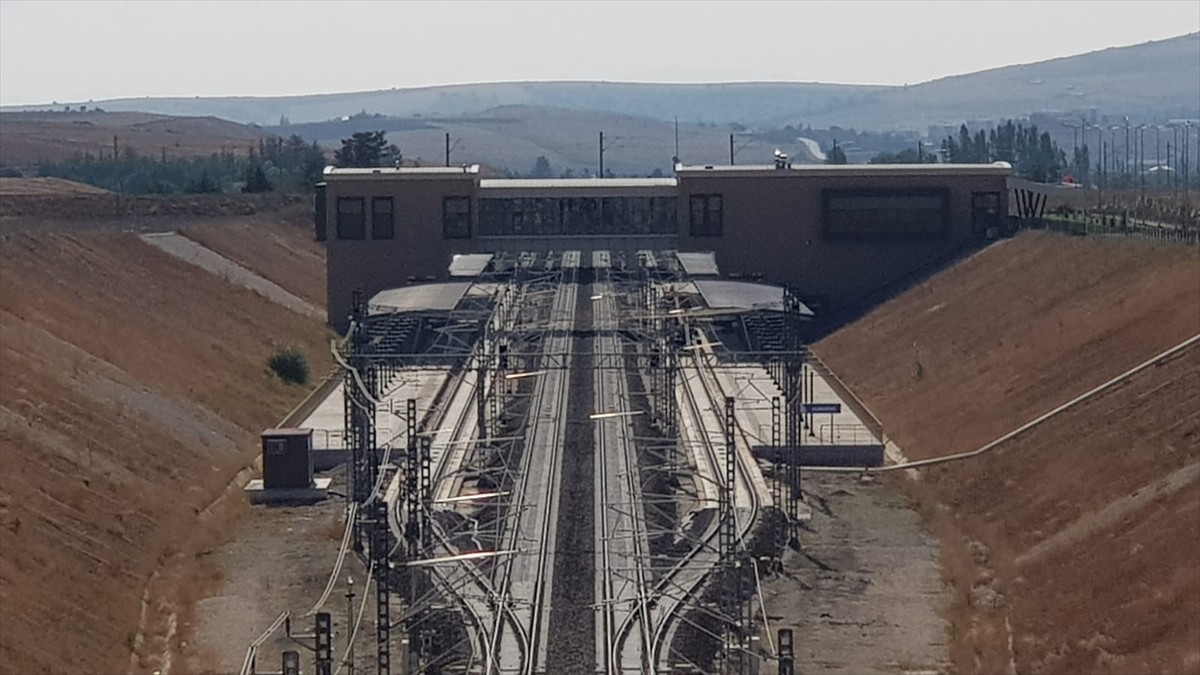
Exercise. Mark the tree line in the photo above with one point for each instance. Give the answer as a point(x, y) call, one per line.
point(1033, 155)
point(289, 164)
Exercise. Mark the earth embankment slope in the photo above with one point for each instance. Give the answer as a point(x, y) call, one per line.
point(1076, 546)
point(284, 253)
point(134, 387)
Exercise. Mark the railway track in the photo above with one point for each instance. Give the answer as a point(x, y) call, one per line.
point(453, 426)
point(703, 400)
point(622, 549)
point(506, 601)
point(524, 581)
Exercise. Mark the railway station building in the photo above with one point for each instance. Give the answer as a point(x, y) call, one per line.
point(836, 233)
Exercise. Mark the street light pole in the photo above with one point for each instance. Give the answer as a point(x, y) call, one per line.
point(1184, 161)
point(1157, 161)
point(1127, 176)
point(1112, 149)
point(1104, 171)
point(1141, 159)
point(1173, 159)
point(604, 147)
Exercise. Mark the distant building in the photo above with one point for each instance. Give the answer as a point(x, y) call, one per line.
point(835, 232)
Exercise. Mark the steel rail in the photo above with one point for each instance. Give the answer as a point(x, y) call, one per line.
point(620, 619)
point(715, 393)
point(446, 466)
point(441, 577)
point(539, 621)
point(665, 626)
point(528, 636)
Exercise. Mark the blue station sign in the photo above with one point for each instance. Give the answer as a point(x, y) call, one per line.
point(823, 408)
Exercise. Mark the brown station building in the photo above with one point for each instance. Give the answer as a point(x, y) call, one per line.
point(835, 232)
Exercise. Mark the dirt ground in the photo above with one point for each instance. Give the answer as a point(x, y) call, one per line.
point(1076, 547)
point(863, 594)
point(302, 543)
point(133, 390)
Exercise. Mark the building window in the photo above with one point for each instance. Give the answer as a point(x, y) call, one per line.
point(383, 224)
point(350, 218)
point(985, 205)
point(456, 217)
point(885, 213)
point(707, 216)
point(576, 216)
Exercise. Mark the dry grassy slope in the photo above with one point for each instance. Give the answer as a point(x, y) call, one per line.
point(1069, 532)
point(283, 253)
point(33, 137)
point(133, 388)
point(47, 187)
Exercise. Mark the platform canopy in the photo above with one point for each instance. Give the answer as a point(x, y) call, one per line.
point(743, 295)
point(699, 264)
point(469, 264)
point(442, 297)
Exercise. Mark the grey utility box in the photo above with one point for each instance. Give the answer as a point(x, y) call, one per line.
point(287, 458)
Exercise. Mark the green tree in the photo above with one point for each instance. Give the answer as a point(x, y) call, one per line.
point(1033, 155)
point(906, 156)
point(835, 155)
point(313, 165)
point(541, 168)
point(366, 149)
point(289, 364)
point(202, 185)
point(1081, 165)
point(256, 180)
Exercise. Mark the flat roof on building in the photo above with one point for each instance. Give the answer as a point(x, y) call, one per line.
point(993, 169)
point(440, 297)
point(575, 183)
point(747, 295)
point(699, 264)
point(405, 171)
point(469, 264)
point(577, 187)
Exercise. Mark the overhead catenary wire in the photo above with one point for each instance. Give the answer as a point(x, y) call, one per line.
point(358, 619)
point(252, 651)
point(337, 566)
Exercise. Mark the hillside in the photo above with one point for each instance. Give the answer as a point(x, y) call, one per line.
point(47, 188)
point(1156, 79)
point(513, 137)
point(718, 103)
point(27, 138)
point(1080, 534)
point(132, 390)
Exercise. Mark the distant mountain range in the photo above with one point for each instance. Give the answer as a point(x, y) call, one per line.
point(1155, 80)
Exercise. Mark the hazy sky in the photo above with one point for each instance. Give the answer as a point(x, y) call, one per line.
point(75, 51)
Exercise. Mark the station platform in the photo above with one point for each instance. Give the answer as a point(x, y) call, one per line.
point(836, 436)
point(327, 420)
